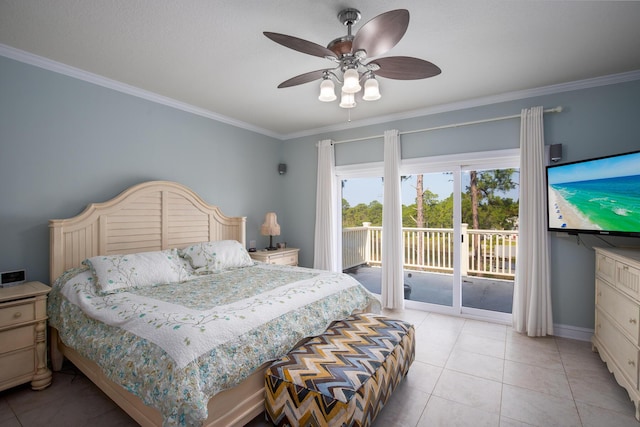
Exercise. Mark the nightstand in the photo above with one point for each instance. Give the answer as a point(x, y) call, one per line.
point(286, 256)
point(23, 334)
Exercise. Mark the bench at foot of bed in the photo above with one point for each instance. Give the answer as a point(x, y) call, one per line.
point(343, 377)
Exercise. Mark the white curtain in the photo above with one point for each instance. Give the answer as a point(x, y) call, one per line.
point(325, 250)
point(392, 256)
point(532, 291)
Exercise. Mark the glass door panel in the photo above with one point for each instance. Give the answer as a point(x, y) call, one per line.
point(490, 237)
point(362, 230)
point(429, 238)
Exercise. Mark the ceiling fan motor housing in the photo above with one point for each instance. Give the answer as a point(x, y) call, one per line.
point(342, 45)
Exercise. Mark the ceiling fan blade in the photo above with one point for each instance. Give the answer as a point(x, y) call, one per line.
point(302, 78)
point(300, 45)
point(405, 68)
point(381, 33)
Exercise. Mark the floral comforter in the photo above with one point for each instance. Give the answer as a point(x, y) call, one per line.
point(177, 345)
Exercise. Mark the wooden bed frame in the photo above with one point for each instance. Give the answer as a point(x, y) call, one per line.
point(150, 216)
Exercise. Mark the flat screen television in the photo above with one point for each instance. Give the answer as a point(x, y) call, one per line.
point(597, 196)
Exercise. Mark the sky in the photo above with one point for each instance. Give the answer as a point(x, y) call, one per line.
point(365, 190)
point(627, 165)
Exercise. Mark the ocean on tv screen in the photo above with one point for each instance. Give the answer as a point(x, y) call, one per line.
point(609, 204)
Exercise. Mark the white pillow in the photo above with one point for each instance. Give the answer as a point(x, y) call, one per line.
point(115, 272)
point(216, 256)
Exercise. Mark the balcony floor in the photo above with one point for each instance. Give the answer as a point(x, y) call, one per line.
point(436, 288)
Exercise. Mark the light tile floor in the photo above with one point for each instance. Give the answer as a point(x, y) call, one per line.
point(466, 373)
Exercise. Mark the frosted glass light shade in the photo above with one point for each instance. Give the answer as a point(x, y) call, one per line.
point(371, 90)
point(327, 93)
point(351, 81)
point(347, 100)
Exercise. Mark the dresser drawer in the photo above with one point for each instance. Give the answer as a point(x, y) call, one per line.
point(628, 280)
point(623, 351)
point(605, 267)
point(620, 308)
point(13, 314)
point(17, 364)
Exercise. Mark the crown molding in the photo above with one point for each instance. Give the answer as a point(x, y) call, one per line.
point(67, 70)
point(58, 67)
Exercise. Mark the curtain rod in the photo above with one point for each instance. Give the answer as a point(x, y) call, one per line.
point(455, 125)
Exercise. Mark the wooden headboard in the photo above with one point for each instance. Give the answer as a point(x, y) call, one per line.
point(151, 216)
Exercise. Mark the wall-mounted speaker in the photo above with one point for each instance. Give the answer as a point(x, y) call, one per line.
point(555, 152)
point(282, 168)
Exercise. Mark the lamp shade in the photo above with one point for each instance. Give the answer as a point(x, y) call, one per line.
point(270, 226)
point(327, 93)
point(351, 81)
point(371, 90)
point(347, 100)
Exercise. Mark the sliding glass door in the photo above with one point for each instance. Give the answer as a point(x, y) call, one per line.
point(460, 220)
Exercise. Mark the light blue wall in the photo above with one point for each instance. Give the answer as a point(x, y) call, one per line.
point(595, 122)
point(65, 143)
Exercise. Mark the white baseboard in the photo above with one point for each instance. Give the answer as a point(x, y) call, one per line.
point(572, 332)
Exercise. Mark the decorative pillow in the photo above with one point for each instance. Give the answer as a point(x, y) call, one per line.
point(216, 256)
point(115, 272)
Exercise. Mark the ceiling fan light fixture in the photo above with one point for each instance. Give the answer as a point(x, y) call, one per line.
point(347, 100)
point(371, 89)
point(327, 93)
point(351, 81)
point(351, 55)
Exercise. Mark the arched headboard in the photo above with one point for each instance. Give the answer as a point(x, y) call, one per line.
point(151, 216)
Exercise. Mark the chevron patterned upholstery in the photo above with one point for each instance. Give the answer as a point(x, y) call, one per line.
point(342, 377)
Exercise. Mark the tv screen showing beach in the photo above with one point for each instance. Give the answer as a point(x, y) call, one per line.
point(596, 196)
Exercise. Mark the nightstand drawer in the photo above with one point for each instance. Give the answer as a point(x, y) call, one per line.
point(16, 314)
point(283, 256)
point(284, 259)
point(18, 364)
point(14, 339)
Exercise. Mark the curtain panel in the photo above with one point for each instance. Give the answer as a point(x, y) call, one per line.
point(392, 253)
point(325, 250)
point(532, 288)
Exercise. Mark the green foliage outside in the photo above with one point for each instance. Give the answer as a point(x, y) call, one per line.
point(495, 212)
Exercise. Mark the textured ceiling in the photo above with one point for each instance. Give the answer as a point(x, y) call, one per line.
point(212, 54)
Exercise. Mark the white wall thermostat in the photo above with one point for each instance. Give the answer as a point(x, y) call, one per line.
point(12, 278)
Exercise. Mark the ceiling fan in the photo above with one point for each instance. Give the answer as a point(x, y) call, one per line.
point(355, 57)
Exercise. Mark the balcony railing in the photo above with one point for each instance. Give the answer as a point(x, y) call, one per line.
point(487, 252)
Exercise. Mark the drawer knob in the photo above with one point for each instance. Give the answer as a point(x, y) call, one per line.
point(633, 321)
point(17, 315)
point(632, 363)
point(600, 294)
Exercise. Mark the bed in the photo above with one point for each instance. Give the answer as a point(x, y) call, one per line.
point(105, 328)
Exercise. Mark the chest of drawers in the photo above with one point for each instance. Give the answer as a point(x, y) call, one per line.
point(617, 317)
point(23, 336)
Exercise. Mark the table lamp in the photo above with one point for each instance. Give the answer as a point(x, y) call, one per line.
point(270, 228)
